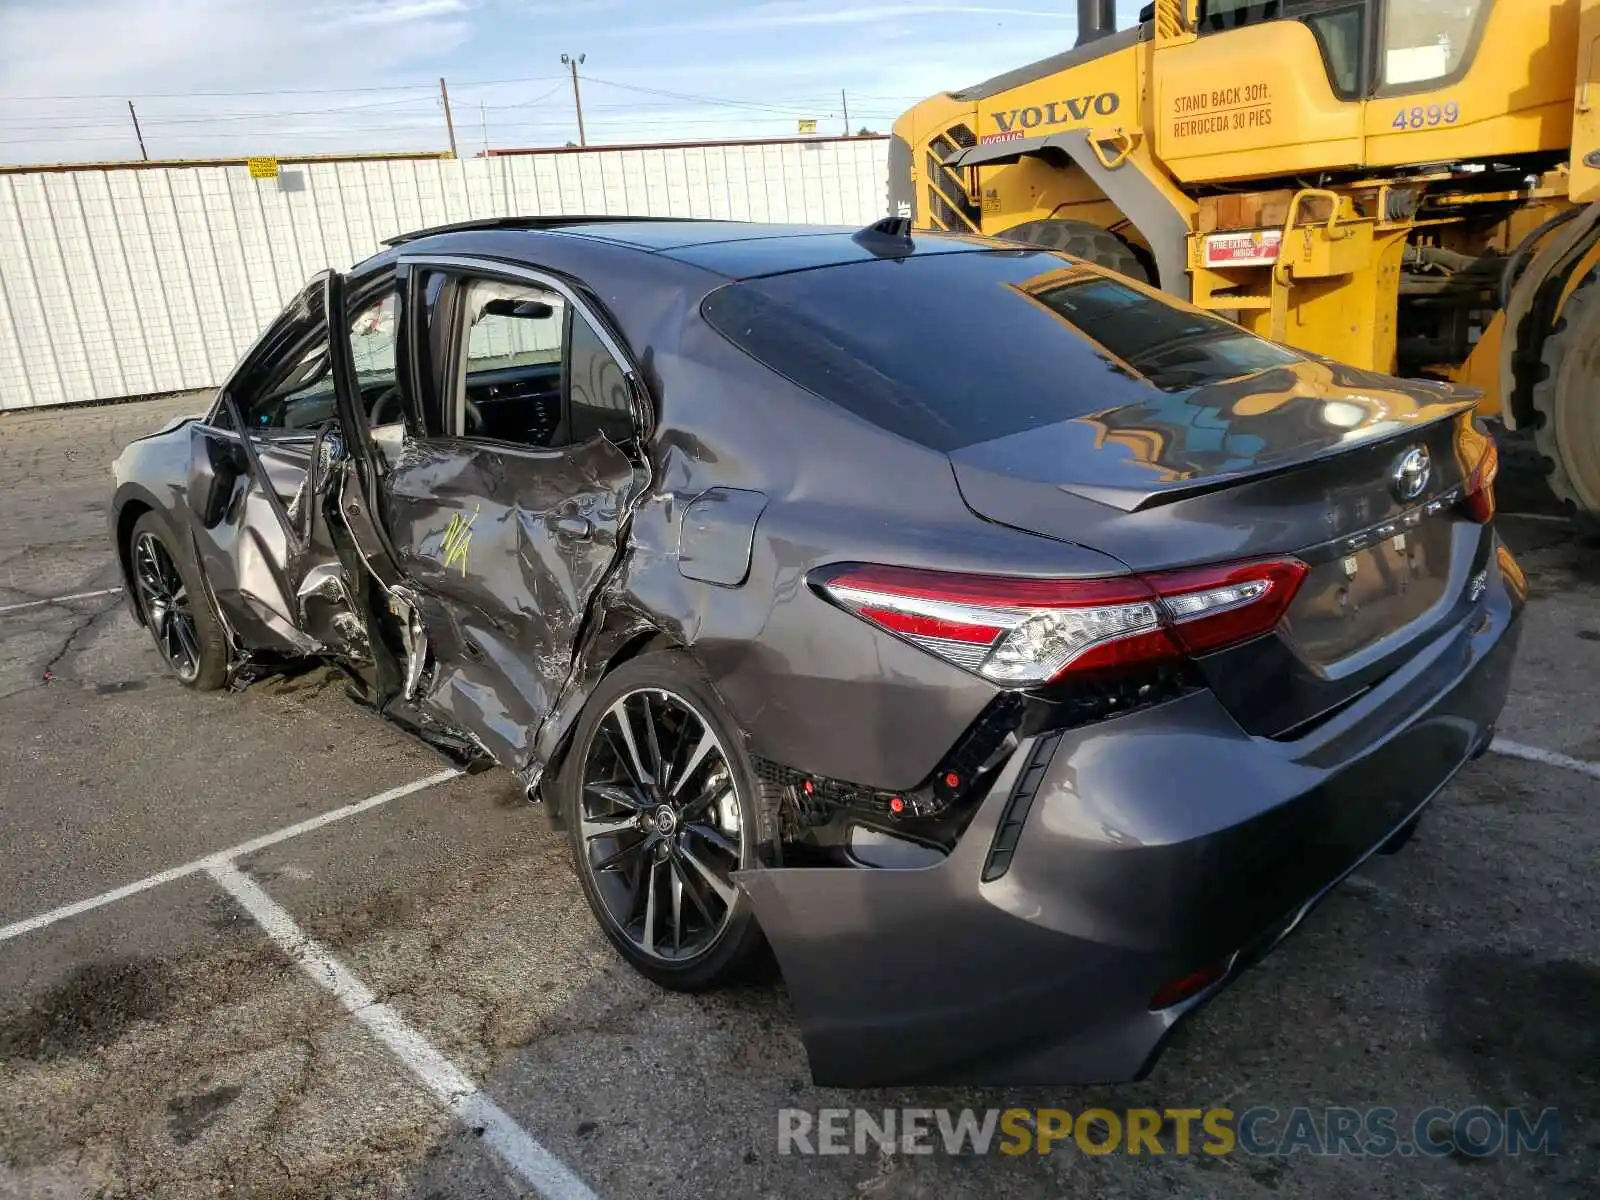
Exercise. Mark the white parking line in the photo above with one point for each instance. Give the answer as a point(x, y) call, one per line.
point(458, 1095)
point(454, 1091)
point(1550, 758)
point(17, 929)
point(11, 608)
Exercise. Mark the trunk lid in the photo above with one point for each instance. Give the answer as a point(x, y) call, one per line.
point(1316, 461)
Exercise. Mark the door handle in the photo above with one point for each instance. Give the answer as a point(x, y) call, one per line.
point(571, 527)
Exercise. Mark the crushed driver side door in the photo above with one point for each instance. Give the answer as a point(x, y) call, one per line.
point(508, 495)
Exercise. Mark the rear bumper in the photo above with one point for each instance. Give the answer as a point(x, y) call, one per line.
point(1152, 846)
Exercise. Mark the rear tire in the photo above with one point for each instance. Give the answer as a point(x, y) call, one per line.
point(176, 609)
point(658, 825)
point(1398, 840)
point(1082, 240)
point(1567, 400)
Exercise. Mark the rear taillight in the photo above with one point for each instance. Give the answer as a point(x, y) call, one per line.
point(1023, 632)
point(1480, 463)
point(1192, 984)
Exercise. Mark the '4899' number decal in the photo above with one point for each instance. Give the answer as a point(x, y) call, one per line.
point(1419, 117)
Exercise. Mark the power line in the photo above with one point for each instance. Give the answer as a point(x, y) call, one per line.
point(557, 124)
point(273, 115)
point(539, 99)
point(267, 112)
point(398, 87)
point(393, 87)
point(277, 135)
point(406, 117)
point(715, 100)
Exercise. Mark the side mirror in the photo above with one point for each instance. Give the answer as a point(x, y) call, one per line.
point(215, 465)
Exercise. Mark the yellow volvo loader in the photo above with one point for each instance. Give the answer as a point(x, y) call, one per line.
point(1411, 186)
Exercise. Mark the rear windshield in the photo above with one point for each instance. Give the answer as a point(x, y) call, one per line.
point(955, 349)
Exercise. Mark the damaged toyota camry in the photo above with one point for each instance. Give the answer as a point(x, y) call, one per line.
point(1018, 652)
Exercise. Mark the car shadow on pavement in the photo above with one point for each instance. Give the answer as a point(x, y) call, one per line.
point(1525, 1032)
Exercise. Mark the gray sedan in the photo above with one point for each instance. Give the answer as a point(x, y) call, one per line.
point(1016, 651)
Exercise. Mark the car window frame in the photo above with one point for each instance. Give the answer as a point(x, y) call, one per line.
point(465, 267)
point(290, 353)
point(367, 290)
point(372, 291)
point(459, 355)
point(274, 346)
point(291, 333)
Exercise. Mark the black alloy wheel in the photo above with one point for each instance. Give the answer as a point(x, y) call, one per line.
point(173, 603)
point(168, 607)
point(661, 825)
point(662, 810)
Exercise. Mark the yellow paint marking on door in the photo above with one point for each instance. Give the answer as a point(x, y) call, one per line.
point(457, 542)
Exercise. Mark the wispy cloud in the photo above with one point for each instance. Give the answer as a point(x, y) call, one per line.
point(777, 16)
point(379, 13)
point(262, 76)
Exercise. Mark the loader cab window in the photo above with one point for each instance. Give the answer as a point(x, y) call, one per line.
point(1340, 27)
point(1217, 15)
point(1427, 40)
point(1419, 43)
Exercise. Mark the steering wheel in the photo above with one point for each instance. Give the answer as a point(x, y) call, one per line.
point(388, 408)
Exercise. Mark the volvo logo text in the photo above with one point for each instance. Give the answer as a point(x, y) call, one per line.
point(1408, 478)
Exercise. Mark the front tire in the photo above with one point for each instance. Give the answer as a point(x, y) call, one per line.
point(662, 806)
point(173, 603)
point(1567, 431)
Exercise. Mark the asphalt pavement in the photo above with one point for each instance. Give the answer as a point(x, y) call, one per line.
point(412, 1000)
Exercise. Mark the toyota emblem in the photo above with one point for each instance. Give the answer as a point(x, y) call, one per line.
point(1410, 474)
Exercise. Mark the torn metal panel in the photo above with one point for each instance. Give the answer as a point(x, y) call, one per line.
point(405, 608)
point(327, 612)
point(505, 548)
point(247, 553)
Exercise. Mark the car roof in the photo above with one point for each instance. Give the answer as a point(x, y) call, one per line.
point(732, 249)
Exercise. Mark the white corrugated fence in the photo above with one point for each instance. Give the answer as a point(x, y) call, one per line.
point(129, 281)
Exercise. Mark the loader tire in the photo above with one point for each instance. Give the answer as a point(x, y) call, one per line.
point(1567, 401)
point(1082, 240)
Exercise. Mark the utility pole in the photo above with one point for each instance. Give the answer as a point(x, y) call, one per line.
point(845, 104)
point(450, 125)
point(577, 98)
point(483, 113)
point(143, 153)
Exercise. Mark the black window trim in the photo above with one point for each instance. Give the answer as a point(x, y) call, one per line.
point(1299, 11)
point(492, 268)
point(1417, 87)
point(1372, 66)
point(275, 344)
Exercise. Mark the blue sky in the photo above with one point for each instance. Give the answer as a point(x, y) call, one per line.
point(300, 75)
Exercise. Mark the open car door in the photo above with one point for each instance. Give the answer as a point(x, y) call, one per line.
point(497, 508)
point(258, 471)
